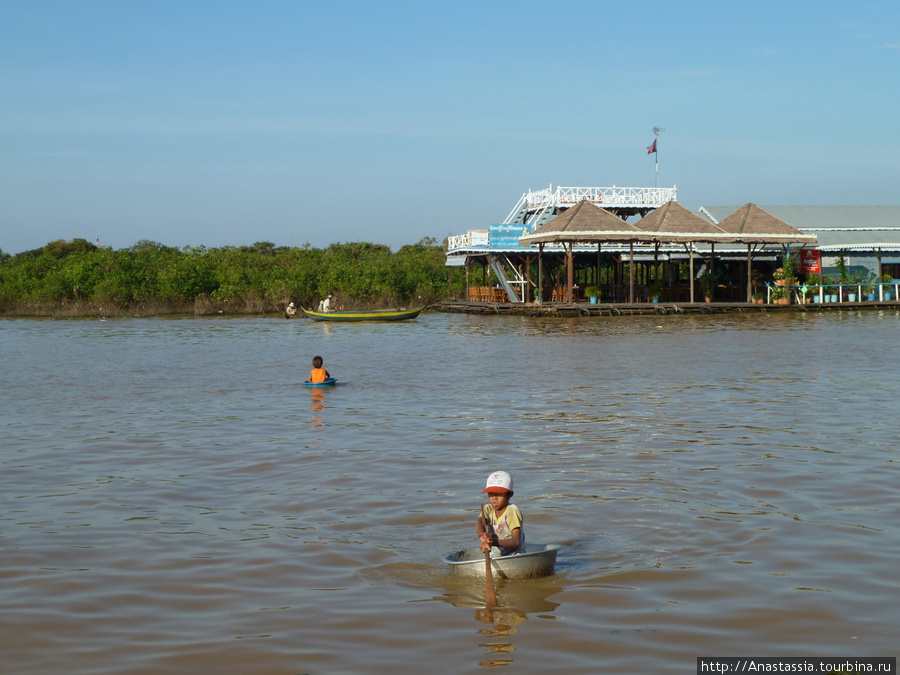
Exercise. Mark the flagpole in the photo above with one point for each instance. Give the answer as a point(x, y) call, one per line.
point(656, 131)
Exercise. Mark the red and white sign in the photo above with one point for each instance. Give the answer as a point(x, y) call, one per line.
point(810, 261)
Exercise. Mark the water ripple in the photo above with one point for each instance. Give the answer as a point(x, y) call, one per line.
point(720, 484)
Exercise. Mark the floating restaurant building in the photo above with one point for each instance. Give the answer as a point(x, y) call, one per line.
point(583, 237)
point(497, 247)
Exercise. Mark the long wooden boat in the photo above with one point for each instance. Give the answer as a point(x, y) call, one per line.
point(537, 561)
point(365, 315)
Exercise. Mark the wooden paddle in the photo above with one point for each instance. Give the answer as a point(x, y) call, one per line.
point(490, 595)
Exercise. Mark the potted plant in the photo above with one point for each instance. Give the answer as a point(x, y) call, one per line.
point(856, 291)
point(779, 277)
point(842, 268)
point(868, 288)
point(655, 291)
point(593, 293)
point(827, 289)
point(887, 278)
point(845, 278)
point(707, 285)
point(779, 295)
point(759, 297)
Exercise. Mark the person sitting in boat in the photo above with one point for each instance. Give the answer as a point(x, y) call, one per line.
point(500, 526)
point(326, 303)
point(318, 373)
point(291, 309)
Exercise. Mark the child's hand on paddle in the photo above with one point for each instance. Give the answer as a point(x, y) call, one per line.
point(485, 542)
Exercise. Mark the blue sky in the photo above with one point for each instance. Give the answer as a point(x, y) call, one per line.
point(226, 123)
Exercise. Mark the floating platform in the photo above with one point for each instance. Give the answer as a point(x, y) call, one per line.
point(586, 310)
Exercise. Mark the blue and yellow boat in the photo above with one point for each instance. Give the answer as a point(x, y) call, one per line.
point(365, 315)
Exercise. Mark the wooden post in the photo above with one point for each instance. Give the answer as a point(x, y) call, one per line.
point(749, 275)
point(631, 272)
point(540, 295)
point(690, 250)
point(787, 285)
point(620, 271)
point(527, 288)
point(597, 283)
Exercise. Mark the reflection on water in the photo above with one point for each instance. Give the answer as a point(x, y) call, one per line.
point(526, 596)
point(720, 485)
point(502, 622)
point(317, 407)
point(517, 599)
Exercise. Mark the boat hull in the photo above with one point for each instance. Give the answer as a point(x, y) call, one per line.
point(538, 561)
point(372, 315)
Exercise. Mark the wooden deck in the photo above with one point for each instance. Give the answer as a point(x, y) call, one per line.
point(585, 309)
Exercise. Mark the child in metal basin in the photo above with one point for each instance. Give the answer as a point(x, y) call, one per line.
point(500, 526)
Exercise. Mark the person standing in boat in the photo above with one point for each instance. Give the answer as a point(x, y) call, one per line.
point(318, 373)
point(500, 526)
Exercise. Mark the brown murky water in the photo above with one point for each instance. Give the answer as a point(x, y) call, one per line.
point(172, 499)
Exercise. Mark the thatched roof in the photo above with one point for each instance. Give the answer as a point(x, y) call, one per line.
point(585, 222)
point(751, 224)
point(672, 222)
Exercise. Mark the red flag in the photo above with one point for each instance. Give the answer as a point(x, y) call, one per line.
point(652, 148)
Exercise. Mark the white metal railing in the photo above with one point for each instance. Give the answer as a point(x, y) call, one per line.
point(457, 241)
point(537, 203)
point(516, 209)
point(607, 196)
point(851, 292)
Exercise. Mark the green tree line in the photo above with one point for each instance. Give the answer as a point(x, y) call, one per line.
point(76, 277)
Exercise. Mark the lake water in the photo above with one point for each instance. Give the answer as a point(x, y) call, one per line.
point(173, 499)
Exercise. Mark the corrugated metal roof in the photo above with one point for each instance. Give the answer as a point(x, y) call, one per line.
point(859, 228)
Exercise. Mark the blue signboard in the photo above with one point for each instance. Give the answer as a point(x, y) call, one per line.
point(506, 236)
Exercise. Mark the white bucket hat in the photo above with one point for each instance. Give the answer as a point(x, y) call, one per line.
point(499, 481)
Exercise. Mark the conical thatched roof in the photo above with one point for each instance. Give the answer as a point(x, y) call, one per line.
point(751, 224)
point(672, 222)
point(585, 222)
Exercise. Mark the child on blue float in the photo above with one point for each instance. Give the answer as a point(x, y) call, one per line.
point(505, 531)
point(318, 374)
